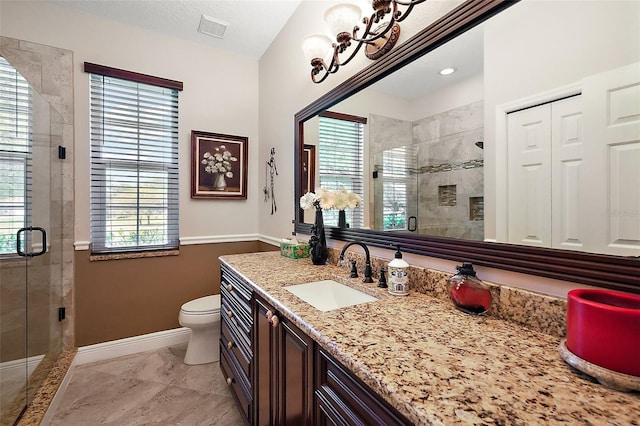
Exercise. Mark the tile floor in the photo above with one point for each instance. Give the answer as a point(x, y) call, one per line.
point(153, 387)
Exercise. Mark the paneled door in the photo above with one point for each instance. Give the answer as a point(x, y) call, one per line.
point(612, 158)
point(545, 145)
point(529, 171)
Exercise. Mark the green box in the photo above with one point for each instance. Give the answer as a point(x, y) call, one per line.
point(294, 251)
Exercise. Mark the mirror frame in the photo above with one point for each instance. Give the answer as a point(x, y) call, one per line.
point(613, 272)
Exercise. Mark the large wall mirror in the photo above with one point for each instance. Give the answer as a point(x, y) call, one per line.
point(526, 158)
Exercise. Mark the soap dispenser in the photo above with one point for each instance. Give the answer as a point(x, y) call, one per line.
point(467, 292)
point(398, 279)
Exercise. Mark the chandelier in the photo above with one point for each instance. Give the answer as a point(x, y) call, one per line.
point(381, 32)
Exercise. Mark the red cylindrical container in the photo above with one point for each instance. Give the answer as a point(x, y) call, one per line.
point(603, 328)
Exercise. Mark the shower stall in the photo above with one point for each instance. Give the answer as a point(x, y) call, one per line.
point(35, 231)
point(429, 173)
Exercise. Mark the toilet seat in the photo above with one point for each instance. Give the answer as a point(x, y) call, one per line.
point(202, 306)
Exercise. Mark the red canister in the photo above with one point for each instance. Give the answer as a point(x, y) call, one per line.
point(603, 328)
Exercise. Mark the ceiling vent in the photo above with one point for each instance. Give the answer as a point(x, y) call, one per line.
point(212, 27)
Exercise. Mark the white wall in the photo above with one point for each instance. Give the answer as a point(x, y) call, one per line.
point(220, 95)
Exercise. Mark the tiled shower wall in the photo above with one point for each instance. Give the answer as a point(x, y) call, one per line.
point(49, 70)
point(447, 168)
point(451, 173)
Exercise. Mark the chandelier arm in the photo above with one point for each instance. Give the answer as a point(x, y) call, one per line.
point(321, 66)
point(337, 61)
point(409, 3)
point(400, 16)
point(314, 74)
point(367, 32)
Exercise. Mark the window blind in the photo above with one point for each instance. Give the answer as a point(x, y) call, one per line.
point(15, 155)
point(395, 176)
point(340, 165)
point(134, 165)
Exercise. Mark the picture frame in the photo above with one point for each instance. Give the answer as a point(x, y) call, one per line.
point(218, 166)
point(309, 169)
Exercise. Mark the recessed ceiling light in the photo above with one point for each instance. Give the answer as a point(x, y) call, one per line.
point(447, 71)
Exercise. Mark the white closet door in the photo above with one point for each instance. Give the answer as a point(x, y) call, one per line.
point(529, 171)
point(567, 174)
point(612, 160)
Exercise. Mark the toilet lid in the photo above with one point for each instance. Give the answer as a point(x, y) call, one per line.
point(203, 305)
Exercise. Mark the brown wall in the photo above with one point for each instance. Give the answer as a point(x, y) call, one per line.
point(115, 299)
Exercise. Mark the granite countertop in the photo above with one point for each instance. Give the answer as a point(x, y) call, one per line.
point(435, 364)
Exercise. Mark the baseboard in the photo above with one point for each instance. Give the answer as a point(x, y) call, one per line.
point(132, 345)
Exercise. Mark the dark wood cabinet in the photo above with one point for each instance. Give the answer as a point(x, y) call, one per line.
point(283, 379)
point(342, 399)
point(279, 376)
point(236, 331)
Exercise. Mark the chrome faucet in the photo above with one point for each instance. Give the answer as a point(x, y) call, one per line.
point(367, 261)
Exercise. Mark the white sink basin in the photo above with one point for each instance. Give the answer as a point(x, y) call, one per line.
point(328, 295)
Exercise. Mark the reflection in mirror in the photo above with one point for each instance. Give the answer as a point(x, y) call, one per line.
point(513, 146)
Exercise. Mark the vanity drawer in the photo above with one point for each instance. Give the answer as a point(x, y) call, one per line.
point(240, 310)
point(240, 330)
point(341, 395)
point(236, 286)
point(235, 380)
point(236, 349)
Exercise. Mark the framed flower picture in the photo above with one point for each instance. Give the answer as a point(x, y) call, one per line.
point(218, 166)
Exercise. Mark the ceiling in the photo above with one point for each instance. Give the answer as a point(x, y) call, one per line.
point(421, 77)
point(253, 24)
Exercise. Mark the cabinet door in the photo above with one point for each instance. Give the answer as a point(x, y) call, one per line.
point(264, 355)
point(283, 372)
point(295, 387)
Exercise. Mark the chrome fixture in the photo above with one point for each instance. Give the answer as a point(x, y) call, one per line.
point(342, 20)
point(367, 261)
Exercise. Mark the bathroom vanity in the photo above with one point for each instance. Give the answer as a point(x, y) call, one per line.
point(396, 360)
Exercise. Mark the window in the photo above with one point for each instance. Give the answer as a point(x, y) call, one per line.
point(134, 161)
point(15, 155)
point(340, 165)
point(396, 175)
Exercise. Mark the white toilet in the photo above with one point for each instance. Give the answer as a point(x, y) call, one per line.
point(202, 316)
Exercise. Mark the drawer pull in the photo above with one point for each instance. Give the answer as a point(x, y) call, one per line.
point(229, 381)
point(274, 321)
point(229, 287)
point(229, 344)
point(229, 314)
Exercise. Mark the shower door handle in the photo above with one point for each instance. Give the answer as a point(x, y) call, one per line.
point(30, 229)
point(413, 224)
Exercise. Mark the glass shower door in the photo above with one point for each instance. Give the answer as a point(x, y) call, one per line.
point(30, 241)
